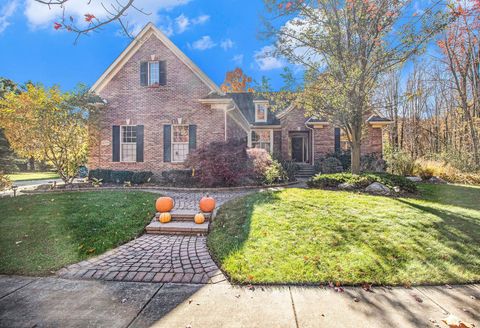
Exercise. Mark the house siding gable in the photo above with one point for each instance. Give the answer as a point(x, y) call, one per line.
point(153, 107)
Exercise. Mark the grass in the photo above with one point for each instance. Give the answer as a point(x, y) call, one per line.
point(24, 176)
point(317, 236)
point(42, 233)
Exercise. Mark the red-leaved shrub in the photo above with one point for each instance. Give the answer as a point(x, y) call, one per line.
point(221, 164)
point(260, 161)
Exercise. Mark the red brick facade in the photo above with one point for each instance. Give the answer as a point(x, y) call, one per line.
point(153, 107)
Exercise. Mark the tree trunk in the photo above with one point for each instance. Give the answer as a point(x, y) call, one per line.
point(355, 157)
point(31, 164)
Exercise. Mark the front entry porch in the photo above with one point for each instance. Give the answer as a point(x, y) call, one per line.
point(299, 144)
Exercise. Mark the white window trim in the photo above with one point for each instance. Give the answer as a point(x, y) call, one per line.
point(256, 111)
point(249, 141)
point(178, 143)
point(121, 143)
point(148, 73)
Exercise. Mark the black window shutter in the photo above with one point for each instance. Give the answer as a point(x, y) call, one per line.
point(116, 143)
point(144, 73)
point(139, 143)
point(192, 137)
point(167, 143)
point(162, 65)
point(337, 139)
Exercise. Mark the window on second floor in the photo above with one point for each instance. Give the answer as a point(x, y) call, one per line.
point(153, 73)
point(260, 112)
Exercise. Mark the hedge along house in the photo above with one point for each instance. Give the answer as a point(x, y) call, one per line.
point(159, 107)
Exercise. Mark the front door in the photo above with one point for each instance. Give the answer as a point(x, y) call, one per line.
point(298, 149)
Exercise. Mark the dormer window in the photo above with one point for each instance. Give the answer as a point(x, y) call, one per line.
point(261, 112)
point(153, 73)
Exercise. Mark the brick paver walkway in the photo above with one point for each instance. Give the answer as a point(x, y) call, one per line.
point(152, 258)
point(158, 258)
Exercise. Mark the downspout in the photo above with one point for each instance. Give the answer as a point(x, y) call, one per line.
point(313, 142)
point(226, 110)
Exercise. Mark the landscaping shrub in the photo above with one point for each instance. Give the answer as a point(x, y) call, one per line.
point(328, 165)
point(361, 181)
point(121, 176)
point(372, 163)
point(260, 161)
point(100, 174)
point(141, 177)
point(266, 170)
point(399, 162)
point(445, 171)
point(179, 178)
point(82, 172)
point(275, 173)
point(221, 164)
point(290, 168)
point(5, 182)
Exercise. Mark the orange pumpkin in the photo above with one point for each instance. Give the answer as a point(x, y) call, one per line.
point(207, 204)
point(165, 217)
point(199, 218)
point(164, 204)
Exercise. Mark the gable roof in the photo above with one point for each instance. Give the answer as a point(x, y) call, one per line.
point(146, 32)
point(245, 102)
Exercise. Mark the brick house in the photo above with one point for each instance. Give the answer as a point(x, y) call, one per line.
point(159, 106)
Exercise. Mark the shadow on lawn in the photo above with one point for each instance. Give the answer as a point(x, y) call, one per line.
point(454, 232)
point(453, 195)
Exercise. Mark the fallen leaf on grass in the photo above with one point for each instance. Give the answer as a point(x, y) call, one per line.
point(18, 242)
point(453, 322)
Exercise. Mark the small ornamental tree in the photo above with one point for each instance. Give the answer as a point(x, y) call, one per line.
point(49, 125)
point(345, 46)
point(236, 81)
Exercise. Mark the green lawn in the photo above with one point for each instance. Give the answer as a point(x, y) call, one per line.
point(41, 233)
point(23, 176)
point(317, 236)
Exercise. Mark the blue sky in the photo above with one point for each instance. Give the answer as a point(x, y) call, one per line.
point(216, 35)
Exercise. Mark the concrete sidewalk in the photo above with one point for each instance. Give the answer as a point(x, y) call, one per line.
point(55, 302)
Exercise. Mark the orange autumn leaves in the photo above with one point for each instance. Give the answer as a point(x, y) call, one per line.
point(236, 81)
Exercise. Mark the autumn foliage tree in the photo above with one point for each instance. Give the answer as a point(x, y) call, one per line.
point(345, 47)
point(48, 125)
point(461, 49)
point(236, 81)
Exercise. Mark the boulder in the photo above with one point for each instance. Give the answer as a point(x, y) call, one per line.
point(378, 188)
point(346, 186)
point(414, 179)
point(436, 180)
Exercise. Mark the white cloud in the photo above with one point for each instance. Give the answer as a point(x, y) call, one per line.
point(204, 43)
point(183, 22)
point(266, 60)
point(5, 13)
point(202, 19)
point(40, 16)
point(226, 44)
point(238, 59)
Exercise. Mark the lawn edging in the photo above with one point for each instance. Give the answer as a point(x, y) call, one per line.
point(152, 188)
